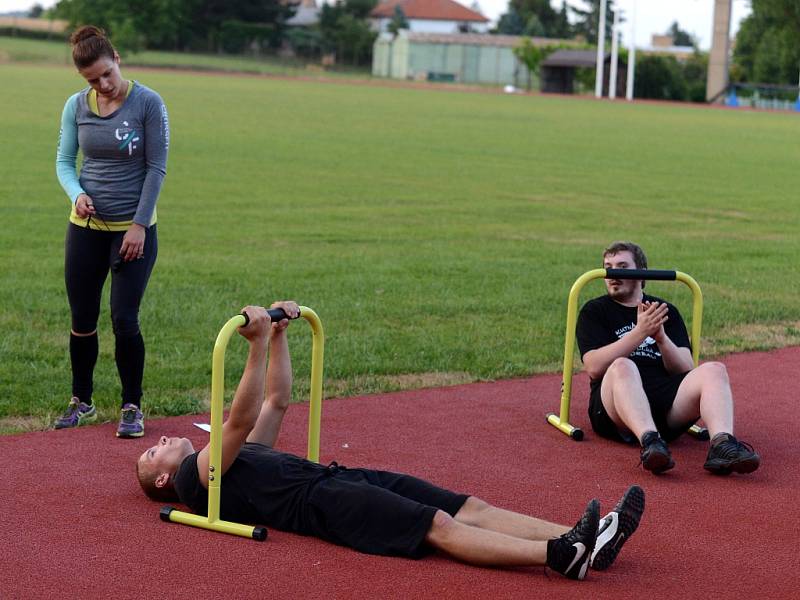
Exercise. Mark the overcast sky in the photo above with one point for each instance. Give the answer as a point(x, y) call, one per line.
point(652, 16)
point(655, 16)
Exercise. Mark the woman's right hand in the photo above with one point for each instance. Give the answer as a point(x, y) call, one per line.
point(84, 207)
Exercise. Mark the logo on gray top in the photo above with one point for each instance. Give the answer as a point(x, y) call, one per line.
point(127, 136)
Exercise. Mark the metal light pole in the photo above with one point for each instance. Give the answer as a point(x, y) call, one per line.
point(612, 80)
point(601, 51)
point(797, 104)
point(631, 56)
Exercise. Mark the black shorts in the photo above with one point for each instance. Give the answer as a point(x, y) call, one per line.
point(660, 394)
point(377, 512)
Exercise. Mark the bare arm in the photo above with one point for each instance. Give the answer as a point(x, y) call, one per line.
point(247, 400)
point(650, 318)
point(596, 362)
point(279, 381)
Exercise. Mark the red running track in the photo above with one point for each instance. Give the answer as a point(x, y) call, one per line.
point(75, 525)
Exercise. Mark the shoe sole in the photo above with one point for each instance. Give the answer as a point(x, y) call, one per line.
point(629, 513)
point(130, 435)
point(658, 463)
point(742, 467)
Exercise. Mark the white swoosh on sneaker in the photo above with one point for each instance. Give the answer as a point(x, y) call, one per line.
point(580, 550)
point(607, 534)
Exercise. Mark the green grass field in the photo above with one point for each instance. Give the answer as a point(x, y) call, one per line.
point(436, 233)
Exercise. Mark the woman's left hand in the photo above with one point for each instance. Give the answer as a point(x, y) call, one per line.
point(133, 243)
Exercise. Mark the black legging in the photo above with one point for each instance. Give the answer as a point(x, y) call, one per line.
point(89, 255)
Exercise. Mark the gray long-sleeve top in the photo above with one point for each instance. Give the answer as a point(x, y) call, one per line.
point(124, 155)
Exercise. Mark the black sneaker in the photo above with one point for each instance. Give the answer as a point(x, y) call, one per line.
point(616, 527)
point(570, 553)
point(730, 455)
point(655, 454)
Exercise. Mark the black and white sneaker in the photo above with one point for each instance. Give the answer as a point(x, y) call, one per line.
point(616, 527)
point(570, 553)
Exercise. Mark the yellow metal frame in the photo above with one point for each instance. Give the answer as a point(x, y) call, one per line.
point(561, 421)
point(212, 520)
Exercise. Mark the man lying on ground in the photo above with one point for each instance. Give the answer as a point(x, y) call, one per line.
point(376, 512)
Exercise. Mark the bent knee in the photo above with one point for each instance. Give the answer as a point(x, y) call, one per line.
point(623, 367)
point(714, 369)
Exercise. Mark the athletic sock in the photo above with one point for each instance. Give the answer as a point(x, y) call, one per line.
point(129, 355)
point(83, 351)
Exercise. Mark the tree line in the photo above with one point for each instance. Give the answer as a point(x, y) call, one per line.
point(767, 47)
point(538, 18)
point(227, 26)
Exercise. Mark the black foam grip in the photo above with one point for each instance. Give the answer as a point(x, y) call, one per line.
point(650, 274)
point(275, 315)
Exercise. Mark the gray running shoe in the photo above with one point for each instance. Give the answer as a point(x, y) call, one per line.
point(617, 527)
point(77, 413)
point(131, 423)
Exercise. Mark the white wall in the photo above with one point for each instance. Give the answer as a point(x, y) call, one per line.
point(431, 26)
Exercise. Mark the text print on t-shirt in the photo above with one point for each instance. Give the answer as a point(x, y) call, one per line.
point(647, 349)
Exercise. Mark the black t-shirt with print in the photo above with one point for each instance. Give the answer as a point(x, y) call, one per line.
point(603, 321)
point(262, 486)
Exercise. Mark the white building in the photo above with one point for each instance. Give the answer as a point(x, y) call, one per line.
point(430, 16)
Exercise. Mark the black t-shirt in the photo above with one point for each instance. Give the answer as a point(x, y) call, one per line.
point(262, 486)
point(603, 321)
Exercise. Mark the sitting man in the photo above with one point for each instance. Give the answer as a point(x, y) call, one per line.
point(371, 511)
point(643, 384)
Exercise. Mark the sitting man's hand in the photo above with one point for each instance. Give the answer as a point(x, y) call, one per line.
point(258, 326)
point(290, 308)
point(650, 319)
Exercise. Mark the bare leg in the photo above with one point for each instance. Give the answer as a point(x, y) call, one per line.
point(478, 513)
point(624, 398)
point(482, 546)
point(705, 392)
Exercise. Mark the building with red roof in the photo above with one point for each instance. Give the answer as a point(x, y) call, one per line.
point(430, 16)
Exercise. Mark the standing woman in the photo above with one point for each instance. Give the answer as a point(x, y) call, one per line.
point(122, 130)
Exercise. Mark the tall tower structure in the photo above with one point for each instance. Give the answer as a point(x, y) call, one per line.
point(717, 80)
